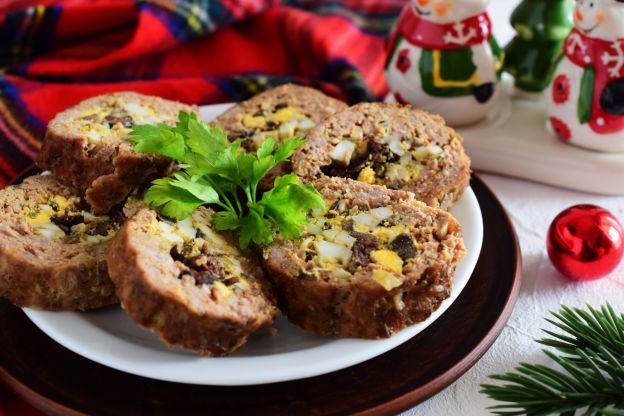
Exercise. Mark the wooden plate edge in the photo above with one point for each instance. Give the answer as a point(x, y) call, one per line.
point(423, 393)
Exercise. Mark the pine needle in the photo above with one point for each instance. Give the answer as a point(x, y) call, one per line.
point(590, 379)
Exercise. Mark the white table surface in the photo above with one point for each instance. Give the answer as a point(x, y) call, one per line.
point(532, 207)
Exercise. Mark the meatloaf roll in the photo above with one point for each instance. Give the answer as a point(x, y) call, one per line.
point(281, 113)
point(391, 145)
point(189, 284)
point(87, 147)
point(373, 263)
point(52, 250)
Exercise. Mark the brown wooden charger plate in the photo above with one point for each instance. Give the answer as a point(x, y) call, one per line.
point(58, 381)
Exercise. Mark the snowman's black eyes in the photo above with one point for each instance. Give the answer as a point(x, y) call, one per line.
point(591, 4)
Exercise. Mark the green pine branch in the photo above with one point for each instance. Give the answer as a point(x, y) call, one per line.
point(590, 352)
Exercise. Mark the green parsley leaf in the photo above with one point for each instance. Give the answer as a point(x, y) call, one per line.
point(287, 148)
point(171, 201)
point(217, 172)
point(226, 221)
point(255, 228)
point(161, 139)
point(195, 185)
point(288, 204)
point(202, 139)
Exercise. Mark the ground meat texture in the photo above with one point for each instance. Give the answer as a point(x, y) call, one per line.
point(405, 149)
point(404, 246)
point(389, 281)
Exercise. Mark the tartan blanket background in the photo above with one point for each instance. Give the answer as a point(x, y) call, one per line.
point(54, 54)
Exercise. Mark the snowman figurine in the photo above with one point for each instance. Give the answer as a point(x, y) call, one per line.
point(442, 57)
point(585, 101)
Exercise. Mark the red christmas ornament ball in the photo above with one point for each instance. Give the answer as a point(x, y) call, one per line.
point(585, 242)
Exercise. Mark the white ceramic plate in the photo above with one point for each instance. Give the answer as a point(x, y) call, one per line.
point(110, 338)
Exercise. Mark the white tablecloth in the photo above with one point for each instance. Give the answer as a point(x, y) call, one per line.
point(532, 207)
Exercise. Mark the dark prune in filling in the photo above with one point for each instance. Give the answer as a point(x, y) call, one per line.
point(67, 221)
point(203, 269)
point(364, 244)
point(404, 246)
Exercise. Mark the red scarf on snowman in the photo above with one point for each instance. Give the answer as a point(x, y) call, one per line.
point(434, 36)
point(607, 60)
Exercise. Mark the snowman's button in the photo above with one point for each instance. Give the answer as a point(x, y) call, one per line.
point(403, 62)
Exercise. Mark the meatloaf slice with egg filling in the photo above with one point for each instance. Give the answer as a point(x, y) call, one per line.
point(281, 113)
point(52, 249)
point(87, 147)
point(189, 284)
point(373, 263)
point(392, 145)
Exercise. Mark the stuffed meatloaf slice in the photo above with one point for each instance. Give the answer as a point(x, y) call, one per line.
point(281, 113)
point(373, 263)
point(189, 284)
point(391, 145)
point(87, 147)
point(52, 250)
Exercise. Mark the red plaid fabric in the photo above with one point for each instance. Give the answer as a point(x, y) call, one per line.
point(194, 51)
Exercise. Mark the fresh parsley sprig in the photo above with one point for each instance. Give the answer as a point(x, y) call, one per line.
point(218, 172)
point(591, 379)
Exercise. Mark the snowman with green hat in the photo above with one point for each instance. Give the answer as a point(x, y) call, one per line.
point(443, 57)
point(585, 101)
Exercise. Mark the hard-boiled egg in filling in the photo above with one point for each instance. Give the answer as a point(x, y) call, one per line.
point(204, 257)
point(59, 218)
point(342, 241)
point(281, 122)
point(386, 159)
point(117, 117)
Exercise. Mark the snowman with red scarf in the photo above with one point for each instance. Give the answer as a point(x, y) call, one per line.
point(585, 101)
point(442, 57)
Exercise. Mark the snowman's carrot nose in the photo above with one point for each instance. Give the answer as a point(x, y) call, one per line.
point(423, 2)
point(578, 15)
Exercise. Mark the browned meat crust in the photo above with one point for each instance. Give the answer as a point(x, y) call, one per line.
point(47, 273)
point(186, 300)
point(391, 145)
point(106, 169)
point(370, 300)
